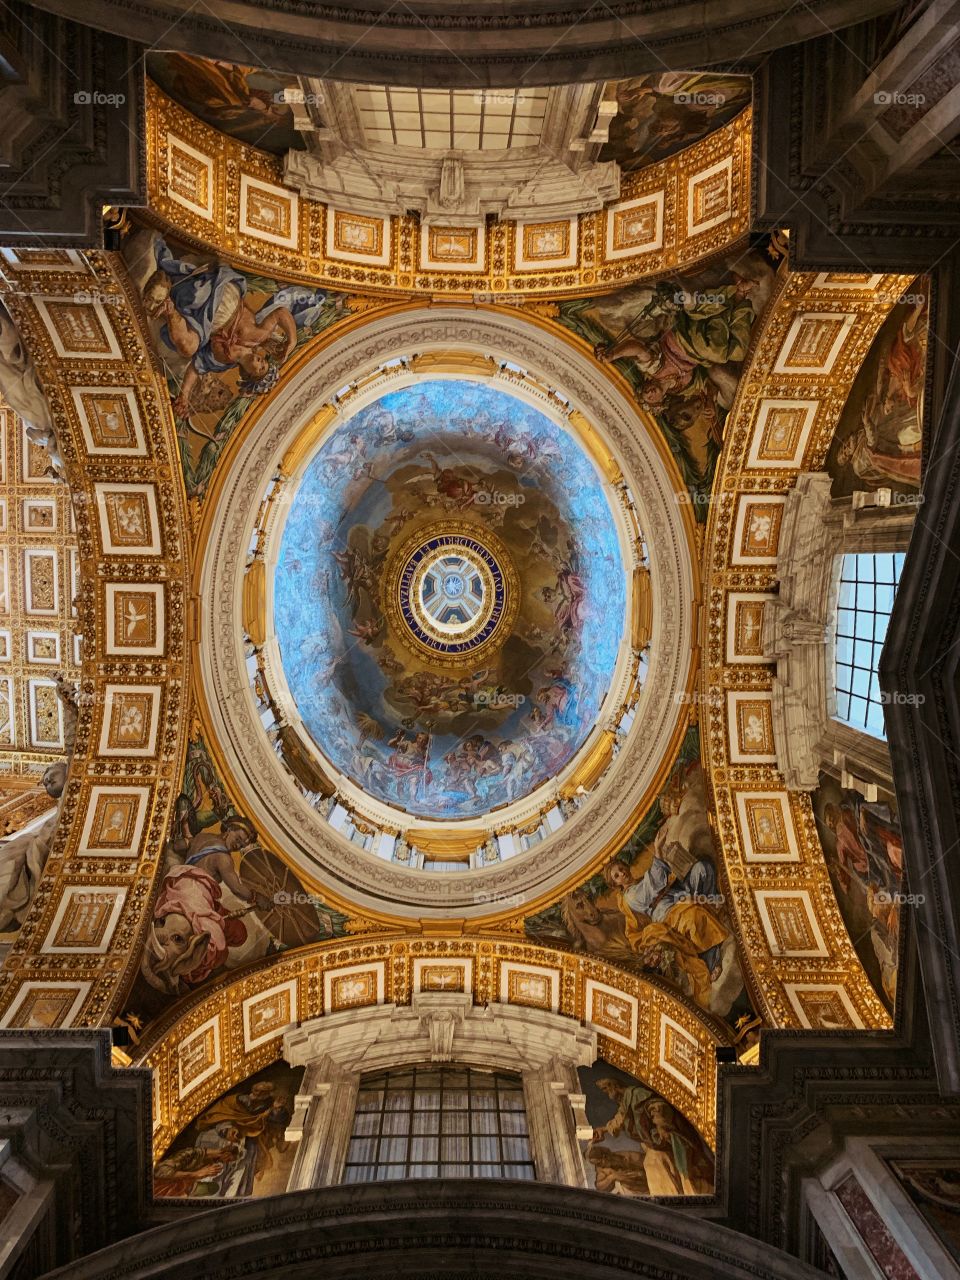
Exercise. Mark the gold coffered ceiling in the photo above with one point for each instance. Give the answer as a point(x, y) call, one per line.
point(82, 318)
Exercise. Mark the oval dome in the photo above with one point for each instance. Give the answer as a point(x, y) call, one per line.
point(449, 598)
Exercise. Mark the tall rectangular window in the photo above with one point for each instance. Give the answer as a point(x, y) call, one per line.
point(439, 1122)
point(868, 583)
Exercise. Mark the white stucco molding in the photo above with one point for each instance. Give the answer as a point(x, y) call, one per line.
point(799, 625)
point(270, 796)
point(441, 1027)
point(337, 1050)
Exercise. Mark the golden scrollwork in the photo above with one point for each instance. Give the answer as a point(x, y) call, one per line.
point(230, 199)
point(813, 340)
point(642, 1028)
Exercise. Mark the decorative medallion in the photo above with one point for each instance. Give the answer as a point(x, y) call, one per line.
point(452, 592)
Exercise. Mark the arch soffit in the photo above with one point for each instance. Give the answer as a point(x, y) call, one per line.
point(813, 340)
point(222, 1037)
point(80, 322)
point(230, 199)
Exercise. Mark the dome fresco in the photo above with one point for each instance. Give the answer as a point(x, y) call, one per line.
point(449, 598)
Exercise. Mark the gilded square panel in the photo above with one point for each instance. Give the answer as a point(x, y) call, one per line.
point(44, 260)
point(756, 534)
point(710, 197)
point(449, 974)
point(781, 432)
point(110, 421)
point(542, 245)
point(128, 519)
point(847, 280)
point(767, 830)
point(190, 177)
point(268, 212)
point(355, 237)
point(745, 626)
point(634, 227)
point(267, 1014)
point(823, 1006)
point(43, 1006)
point(679, 1053)
point(813, 342)
point(613, 1012)
point(114, 820)
point(39, 515)
point(131, 714)
point(86, 919)
point(529, 984)
point(790, 923)
point(43, 646)
point(750, 728)
point(353, 986)
point(79, 330)
point(448, 248)
point(135, 618)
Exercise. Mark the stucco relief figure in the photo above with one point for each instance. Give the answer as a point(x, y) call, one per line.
point(641, 1145)
point(24, 856)
point(21, 391)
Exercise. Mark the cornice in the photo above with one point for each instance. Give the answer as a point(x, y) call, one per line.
point(273, 801)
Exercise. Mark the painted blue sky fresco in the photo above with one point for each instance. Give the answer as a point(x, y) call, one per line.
point(435, 740)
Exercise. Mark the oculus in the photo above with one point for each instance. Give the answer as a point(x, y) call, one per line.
point(452, 595)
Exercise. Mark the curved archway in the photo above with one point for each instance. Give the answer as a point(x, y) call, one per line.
point(440, 1231)
point(81, 324)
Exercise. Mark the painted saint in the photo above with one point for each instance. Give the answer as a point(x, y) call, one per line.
point(237, 1147)
point(641, 1144)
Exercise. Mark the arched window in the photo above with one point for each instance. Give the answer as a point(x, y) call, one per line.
point(439, 1122)
point(868, 582)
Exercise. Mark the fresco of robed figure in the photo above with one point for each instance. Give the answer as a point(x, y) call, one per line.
point(663, 112)
point(237, 1146)
point(641, 1144)
point(245, 102)
point(223, 899)
point(878, 443)
point(657, 907)
point(223, 336)
point(681, 344)
point(864, 853)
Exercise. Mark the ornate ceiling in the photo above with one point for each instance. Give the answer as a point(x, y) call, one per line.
point(411, 575)
point(449, 598)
